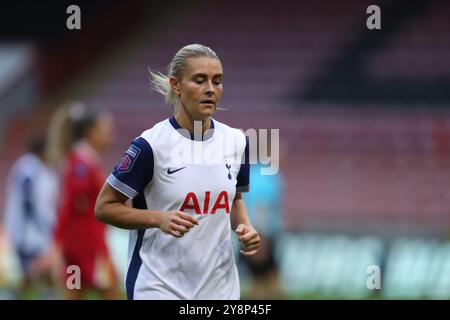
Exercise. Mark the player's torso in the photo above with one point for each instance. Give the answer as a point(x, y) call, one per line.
point(204, 189)
point(82, 182)
point(197, 177)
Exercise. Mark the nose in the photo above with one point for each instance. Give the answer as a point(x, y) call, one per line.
point(209, 88)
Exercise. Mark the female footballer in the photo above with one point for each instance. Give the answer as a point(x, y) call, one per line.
point(185, 176)
point(78, 138)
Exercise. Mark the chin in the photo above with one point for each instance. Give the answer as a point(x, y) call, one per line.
point(206, 113)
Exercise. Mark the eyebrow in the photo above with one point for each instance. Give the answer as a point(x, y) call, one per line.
point(205, 75)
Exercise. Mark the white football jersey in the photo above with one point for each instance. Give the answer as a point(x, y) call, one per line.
point(166, 169)
point(31, 205)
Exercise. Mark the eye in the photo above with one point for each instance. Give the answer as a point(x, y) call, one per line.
point(218, 82)
point(199, 80)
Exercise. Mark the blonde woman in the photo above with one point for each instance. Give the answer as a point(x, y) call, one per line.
point(184, 204)
point(79, 136)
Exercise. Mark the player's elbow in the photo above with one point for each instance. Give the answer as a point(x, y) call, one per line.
point(101, 210)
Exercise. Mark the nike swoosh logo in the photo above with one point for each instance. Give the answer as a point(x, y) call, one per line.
point(173, 171)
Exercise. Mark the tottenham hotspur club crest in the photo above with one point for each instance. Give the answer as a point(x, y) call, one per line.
point(229, 173)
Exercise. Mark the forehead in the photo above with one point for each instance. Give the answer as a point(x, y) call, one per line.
point(203, 65)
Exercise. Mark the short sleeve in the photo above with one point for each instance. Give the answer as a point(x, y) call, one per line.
point(134, 170)
point(243, 177)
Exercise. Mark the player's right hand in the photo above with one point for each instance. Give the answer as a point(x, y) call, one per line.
point(176, 223)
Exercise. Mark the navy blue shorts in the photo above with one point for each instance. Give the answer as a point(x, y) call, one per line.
point(26, 259)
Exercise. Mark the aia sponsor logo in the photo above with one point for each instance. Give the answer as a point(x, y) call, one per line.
point(209, 206)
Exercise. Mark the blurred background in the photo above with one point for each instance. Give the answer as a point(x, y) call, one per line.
point(364, 119)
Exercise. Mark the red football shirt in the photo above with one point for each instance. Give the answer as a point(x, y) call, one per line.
point(78, 230)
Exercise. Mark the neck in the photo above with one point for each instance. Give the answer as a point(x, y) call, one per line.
point(187, 122)
point(90, 147)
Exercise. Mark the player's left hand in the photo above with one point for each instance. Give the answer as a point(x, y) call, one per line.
point(249, 238)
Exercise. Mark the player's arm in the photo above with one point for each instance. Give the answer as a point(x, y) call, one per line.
point(240, 222)
point(111, 208)
point(239, 213)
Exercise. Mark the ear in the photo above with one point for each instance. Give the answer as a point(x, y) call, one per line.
point(174, 85)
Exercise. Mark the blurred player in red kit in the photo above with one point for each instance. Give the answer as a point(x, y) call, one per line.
point(79, 136)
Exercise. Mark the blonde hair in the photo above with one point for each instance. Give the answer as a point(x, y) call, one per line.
point(161, 83)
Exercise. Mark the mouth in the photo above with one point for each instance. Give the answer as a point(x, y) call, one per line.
point(208, 101)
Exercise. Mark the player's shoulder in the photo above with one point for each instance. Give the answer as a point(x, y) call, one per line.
point(79, 165)
point(153, 135)
point(228, 130)
point(26, 164)
point(232, 136)
point(150, 140)
point(154, 132)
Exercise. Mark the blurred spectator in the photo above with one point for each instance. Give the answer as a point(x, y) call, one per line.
point(79, 136)
point(30, 215)
point(264, 208)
